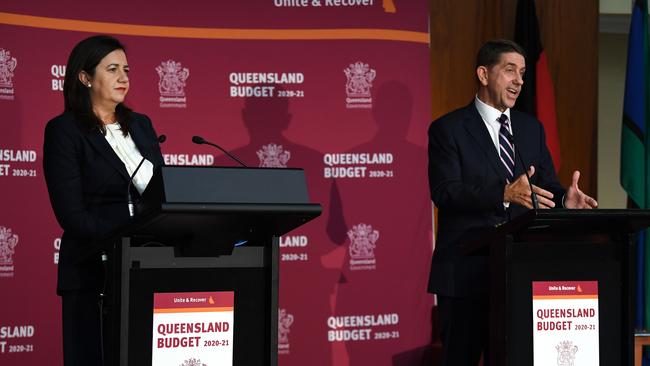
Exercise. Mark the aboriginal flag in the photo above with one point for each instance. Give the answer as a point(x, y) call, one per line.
point(537, 96)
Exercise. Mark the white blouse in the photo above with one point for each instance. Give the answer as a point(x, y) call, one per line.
point(126, 150)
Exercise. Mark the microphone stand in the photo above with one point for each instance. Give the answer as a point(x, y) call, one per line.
point(104, 256)
point(200, 141)
point(533, 195)
point(129, 199)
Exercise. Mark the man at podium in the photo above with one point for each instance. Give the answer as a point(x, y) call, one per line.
point(487, 164)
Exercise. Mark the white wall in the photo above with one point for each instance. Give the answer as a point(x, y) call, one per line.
point(612, 58)
point(615, 6)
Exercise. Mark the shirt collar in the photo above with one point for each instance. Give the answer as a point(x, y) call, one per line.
point(489, 113)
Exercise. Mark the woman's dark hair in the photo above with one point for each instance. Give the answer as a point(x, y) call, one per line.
point(85, 56)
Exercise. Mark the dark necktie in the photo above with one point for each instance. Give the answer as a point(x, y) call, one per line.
point(506, 150)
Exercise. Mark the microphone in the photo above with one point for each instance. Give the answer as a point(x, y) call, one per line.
point(533, 195)
point(160, 139)
point(200, 141)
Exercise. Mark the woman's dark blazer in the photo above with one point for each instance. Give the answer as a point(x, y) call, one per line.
point(87, 184)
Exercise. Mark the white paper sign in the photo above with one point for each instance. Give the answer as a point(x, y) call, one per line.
point(193, 329)
point(565, 323)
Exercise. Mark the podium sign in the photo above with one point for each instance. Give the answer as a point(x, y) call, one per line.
point(193, 328)
point(565, 318)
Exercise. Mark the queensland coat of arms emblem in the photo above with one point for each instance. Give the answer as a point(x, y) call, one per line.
point(8, 242)
point(362, 241)
point(284, 323)
point(273, 156)
point(172, 78)
point(7, 67)
point(566, 353)
point(360, 77)
point(192, 362)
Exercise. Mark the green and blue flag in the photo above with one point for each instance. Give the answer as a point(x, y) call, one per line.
point(635, 160)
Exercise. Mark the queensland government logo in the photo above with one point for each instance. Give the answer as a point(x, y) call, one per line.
point(363, 239)
point(273, 156)
point(7, 67)
point(360, 77)
point(172, 84)
point(8, 243)
point(284, 323)
point(566, 353)
point(192, 362)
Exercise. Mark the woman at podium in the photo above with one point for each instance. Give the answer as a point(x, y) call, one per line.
point(91, 153)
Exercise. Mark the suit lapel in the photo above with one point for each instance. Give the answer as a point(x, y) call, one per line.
point(139, 136)
point(98, 141)
point(476, 127)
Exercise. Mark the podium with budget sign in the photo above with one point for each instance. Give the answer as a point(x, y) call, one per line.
point(562, 286)
point(193, 280)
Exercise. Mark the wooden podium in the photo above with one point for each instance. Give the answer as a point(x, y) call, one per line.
point(561, 245)
point(204, 229)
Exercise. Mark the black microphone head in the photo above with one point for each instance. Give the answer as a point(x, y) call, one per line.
point(162, 138)
point(198, 140)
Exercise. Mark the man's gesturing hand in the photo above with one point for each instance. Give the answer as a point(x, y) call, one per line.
point(575, 198)
point(519, 192)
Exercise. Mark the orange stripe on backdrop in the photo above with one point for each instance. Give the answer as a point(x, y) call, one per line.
point(211, 33)
point(560, 297)
point(193, 310)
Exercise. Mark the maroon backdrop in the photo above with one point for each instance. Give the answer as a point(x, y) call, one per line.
point(342, 91)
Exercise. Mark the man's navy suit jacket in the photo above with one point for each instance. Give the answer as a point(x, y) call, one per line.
point(467, 182)
point(87, 183)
